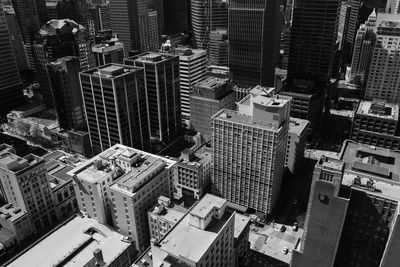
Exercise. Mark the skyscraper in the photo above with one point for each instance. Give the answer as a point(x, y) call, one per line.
point(254, 33)
point(31, 15)
point(192, 70)
point(64, 83)
point(363, 50)
point(10, 86)
point(383, 78)
point(207, 15)
point(56, 39)
point(114, 98)
point(130, 20)
point(249, 148)
point(163, 93)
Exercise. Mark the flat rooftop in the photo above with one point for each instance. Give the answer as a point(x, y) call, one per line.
point(14, 163)
point(298, 126)
point(73, 243)
point(386, 110)
point(207, 204)
point(112, 71)
point(171, 214)
point(241, 222)
point(331, 163)
point(151, 57)
point(270, 241)
point(191, 242)
point(372, 161)
point(212, 83)
point(12, 212)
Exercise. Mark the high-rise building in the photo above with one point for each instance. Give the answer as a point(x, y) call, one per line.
point(392, 6)
point(312, 40)
point(65, 87)
point(207, 15)
point(208, 237)
point(206, 99)
point(31, 15)
point(354, 206)
point(176, 16)
point(298, 133)
point(218, 47)
point(120, 185)
point(24, 184)
point(192, 70)
point(100, 14)
point(134, 22)
point(114, 98)
point(10, 86)
point(345, 10)
point(254, 34)
point(249, 148)
point(108, 51)
point(162, 92)
point(56, 39)
point(383, 79)
point(363, 50)
point(376, 123)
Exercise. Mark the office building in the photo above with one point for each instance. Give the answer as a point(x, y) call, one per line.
point(392, 6)
point(207, 98)
point(163, 216)
point(120, 185)
point(16, 39)
point(192, 70)
point(56, 39)
point(363, 50)
point(108, 51)
point(383, 80)
point(65, 88)
point(249, 148)
point(114, 99)
point(354, 205)
point(254, 34)
point(208, 238)
point(194, 173)
point(133, 19)
point(15, 228)
point(24, 184)
point(11, 85)
point(218, 47)
point(163, 93)
point(345, 10)
point(31, 15)
point(207, 15)
point(79, 242)
point(297, 137)
point(100, 14)
point(51, 9)
point(241, 237)
point(376, 123)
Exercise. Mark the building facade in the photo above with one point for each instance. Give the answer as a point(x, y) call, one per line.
point(115, 104)
point(218, 47)
point(383, 79)
point(192, 70)
point(110, 51)
point(249, 148)
point(254, 30)
point(207, 98)
point(297, 137)
point(163, 93)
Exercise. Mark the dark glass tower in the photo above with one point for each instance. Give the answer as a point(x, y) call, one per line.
point(130, 20)
point(10, 85)
point(254, 32)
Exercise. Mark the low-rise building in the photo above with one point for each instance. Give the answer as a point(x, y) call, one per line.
point(163, 217)
point(376, 123)
point(194, 170)
point(80, 242)
point(15, 227)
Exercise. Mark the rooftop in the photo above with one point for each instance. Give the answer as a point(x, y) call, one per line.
point(241, 222)
point(331, 163)
point(371, 161)
point(112, 71)
point(190, 242)
point(271, 241)
point(11, 212)
point(60, 27)
point(151, 57)
point(14, 163)
point(298, 126)
point(379, 109)
point(74, 243)
point(207, 204)
point(171, 214)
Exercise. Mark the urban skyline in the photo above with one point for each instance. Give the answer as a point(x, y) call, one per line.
point(233, 133)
